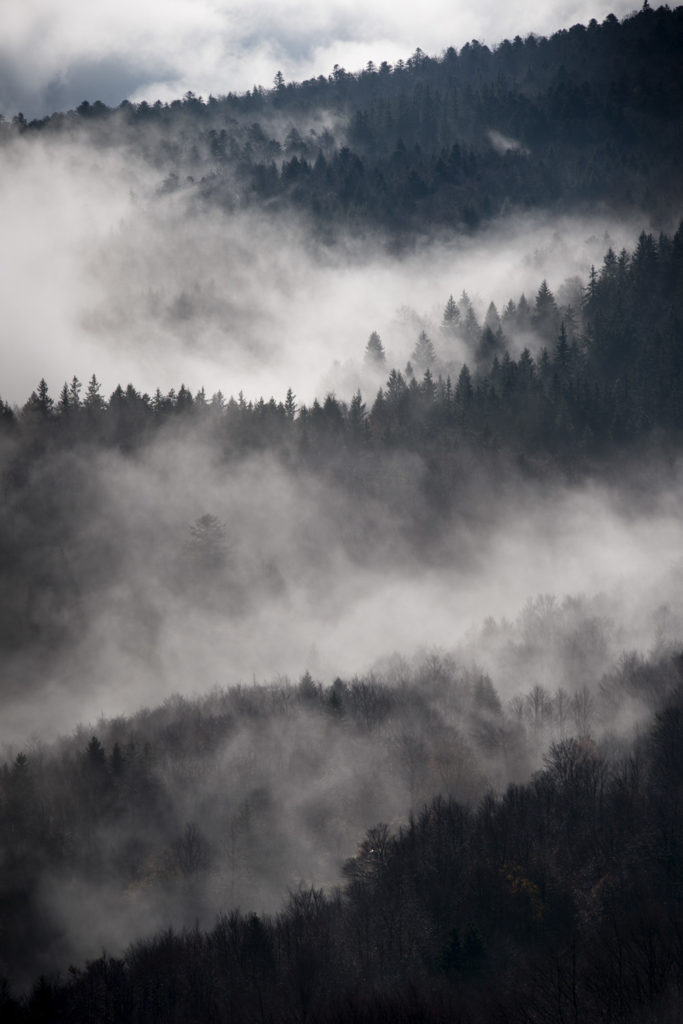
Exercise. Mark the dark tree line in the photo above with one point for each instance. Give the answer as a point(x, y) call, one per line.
point(188, 801)
point(604, 387)
point(559, 900)
point(554, 899)
point(589, 114)
point(606, 373)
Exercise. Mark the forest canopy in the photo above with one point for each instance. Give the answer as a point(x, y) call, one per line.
point(342, 680)
point(588, 115)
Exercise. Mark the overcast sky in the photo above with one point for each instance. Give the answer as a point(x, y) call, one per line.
point(53, 55)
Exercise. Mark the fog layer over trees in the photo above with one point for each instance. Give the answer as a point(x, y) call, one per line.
point(341, 605)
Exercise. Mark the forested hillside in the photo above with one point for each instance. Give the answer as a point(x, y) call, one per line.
point(605, 385)
point(558, 899)
point(607, 371)
point(357, 698)
point(590, 115)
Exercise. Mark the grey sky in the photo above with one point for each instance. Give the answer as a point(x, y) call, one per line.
point(52, 56)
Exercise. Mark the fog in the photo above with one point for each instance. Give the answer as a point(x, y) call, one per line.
point(111, 275)
point(155, 580)
point(431, 635)
point(309, 575)
point(52, 59)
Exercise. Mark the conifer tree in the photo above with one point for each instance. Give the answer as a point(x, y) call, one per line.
point(423, 354)
point(374, 350)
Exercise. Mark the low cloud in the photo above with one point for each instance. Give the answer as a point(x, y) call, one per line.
point(504, 144)
point(110, 276)
point(317, 577)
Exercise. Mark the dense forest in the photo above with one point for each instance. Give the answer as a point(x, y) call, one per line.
point(604, 388)
point(557, 899)
point(361, 700)
point(589, 115)
point(607, 372)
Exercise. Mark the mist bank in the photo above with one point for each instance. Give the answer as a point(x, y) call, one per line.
point(108, 276)
point(585, 116)
point(130, 576)
point(443, 558)
point(186, 537)
point(552, 898)
point(171, 816)
point(252, 242)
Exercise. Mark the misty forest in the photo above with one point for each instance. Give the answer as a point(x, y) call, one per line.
point(341, 605)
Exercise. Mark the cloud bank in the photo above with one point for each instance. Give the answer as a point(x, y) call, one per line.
point(109, 277)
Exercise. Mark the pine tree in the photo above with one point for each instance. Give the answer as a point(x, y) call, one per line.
point(39, 400)
point(423, 354)
point(523, 314)
point(451, 316)
point(396, 386)
point(508, 318)
point(75, 392)
point(562, 355)
point(463, 389)
point(93, 400)
point(374, 350)
point(290, 404)
point(184, 400)
point(471, 327)
point(492, 319)
point(64, 402)
point(490, 346)
point(545, 318)
point(428, 387)
point(357, 413)
point(526, 371)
